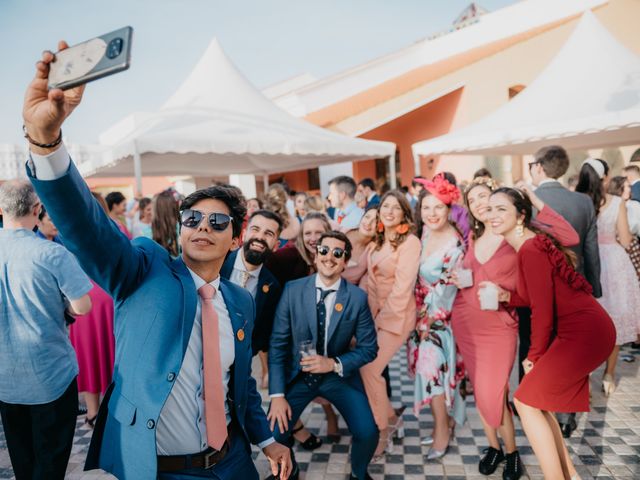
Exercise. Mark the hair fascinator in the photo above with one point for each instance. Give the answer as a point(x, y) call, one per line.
point(596, 165)
point(441, 188)
point(490, 183)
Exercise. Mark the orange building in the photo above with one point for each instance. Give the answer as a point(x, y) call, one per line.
point(448, 81)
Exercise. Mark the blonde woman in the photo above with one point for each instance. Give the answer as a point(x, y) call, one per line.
point(276, 201)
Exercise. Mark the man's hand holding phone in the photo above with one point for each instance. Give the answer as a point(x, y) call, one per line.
point(45, 110)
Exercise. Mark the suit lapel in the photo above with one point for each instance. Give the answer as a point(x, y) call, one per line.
point(227, 266)
point(264, 286)
point(190, 300)
point(338, 309)
point(235, 312)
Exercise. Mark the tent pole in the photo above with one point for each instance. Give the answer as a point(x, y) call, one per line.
point(137, 172)
point(392, 172)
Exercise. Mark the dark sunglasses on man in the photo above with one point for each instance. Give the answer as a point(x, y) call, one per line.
point(218, 221)
point(324, 250)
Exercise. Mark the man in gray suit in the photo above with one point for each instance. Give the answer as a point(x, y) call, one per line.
point(550, 164)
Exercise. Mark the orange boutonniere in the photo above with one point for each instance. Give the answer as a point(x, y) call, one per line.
point(402, 228)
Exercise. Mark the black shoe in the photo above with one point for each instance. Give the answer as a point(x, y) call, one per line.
point(635, 345)
point(310, 443)
point(568, 428)
point(367, 477)
point(490, 461)
point(513, 469)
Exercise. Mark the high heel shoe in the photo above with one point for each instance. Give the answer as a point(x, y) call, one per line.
point(608, 384)
point(396, 427)
point(434, 454)
point(427, 440)
point(385, 445)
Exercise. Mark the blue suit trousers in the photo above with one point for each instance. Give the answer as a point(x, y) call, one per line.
point(352, 403)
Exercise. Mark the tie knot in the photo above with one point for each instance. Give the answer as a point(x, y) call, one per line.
point(324, 293)
point(207, 291)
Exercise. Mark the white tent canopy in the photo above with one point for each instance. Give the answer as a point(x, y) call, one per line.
point(587, 97)
point(217, 123)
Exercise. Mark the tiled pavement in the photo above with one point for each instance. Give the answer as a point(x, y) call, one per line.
point(606, 444)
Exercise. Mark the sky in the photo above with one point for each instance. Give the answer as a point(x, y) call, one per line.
point(268, 40)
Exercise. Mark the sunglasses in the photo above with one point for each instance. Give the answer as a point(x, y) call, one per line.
point(324, 250)
point(218, 221)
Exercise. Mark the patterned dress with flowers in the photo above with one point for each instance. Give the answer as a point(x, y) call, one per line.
point(434, 362)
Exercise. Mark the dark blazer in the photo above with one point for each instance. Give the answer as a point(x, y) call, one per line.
point(577, 209)
point(635, 191)
point(296, 321)
point(375, 200)
point(155, 306)
point(267, 297)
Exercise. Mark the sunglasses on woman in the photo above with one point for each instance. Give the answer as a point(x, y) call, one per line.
point(324, 250)
point(218, 221)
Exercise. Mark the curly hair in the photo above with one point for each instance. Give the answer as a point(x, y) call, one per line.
point(276, 200)
point(406, 220)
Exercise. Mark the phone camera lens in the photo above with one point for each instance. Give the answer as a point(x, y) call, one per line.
point(114, 48)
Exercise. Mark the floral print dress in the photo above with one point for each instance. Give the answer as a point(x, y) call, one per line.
point(434, 362)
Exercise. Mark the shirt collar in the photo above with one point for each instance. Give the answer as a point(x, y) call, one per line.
point(547, 180)
point(371, 196)
point(635, 181)
point(200, 282)
point(348, 209)
point(240, 265)
point(320, 284)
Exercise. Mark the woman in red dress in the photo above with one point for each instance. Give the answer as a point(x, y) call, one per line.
point(488, 339)
point(571, 334)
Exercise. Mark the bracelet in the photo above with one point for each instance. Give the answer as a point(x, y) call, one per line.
point(55, 143)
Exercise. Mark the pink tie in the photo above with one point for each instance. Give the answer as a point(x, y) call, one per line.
point(215, 417)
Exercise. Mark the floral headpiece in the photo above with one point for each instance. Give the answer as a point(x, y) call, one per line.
point(446, 192)
point(490, 183)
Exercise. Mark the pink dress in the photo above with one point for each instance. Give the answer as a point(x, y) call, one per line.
point(488, 339)
point(92, 338)
point(620, 289)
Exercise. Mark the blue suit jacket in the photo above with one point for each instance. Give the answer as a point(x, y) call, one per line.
point(635, 192)
point(155, 306)
point(375, 200)
point(267, 298)
point(296, 321)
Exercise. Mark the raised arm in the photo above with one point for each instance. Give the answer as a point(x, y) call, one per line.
point(622, 226)
point(555, 224)
point(104, 253)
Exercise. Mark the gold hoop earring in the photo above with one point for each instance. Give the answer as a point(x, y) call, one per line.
point(519, 228)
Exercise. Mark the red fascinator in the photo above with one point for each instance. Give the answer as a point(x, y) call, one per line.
point(446, 192)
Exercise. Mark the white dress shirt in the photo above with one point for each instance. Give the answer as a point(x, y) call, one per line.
point(181, 427)
point(329, 302)
point(236, 275)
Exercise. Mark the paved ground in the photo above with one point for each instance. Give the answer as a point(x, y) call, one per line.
point(606, 444)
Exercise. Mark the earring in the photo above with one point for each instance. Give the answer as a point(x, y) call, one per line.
point(402, 228)
point(519, 228)
point(380, 227)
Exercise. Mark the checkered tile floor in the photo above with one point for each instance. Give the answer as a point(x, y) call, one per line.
point(605, 446)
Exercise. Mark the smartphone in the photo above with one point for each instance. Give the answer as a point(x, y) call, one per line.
point(96, 58)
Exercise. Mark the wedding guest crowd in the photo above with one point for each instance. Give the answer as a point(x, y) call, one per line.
point(463, 279)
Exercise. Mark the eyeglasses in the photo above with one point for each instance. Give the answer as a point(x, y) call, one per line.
point(531, 164)
point(218, 221)
point(324, 250)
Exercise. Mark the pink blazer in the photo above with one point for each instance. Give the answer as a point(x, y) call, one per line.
point(391, 283)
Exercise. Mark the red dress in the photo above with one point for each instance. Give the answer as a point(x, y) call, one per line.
point(92, 338)
point(488, 339)
point(561, 302)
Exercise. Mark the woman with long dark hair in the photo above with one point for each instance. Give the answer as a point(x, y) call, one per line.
point(392, 269)
point(571, 333)
point(488, 339)
point(620, 289)
point(164, 223)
